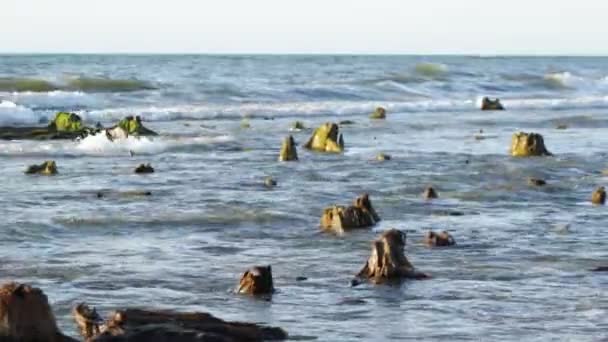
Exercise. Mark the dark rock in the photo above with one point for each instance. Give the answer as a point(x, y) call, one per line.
point(147, 168)
point(137, 325)
point(487, 104)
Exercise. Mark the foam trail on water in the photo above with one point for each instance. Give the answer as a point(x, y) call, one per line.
point(99, 144)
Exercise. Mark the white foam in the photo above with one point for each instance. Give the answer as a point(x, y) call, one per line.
point(54, 99)
point(564, 80)
point(99, 144)
point(13, 114)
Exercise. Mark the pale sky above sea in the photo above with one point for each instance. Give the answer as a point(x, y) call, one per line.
point(485, 27)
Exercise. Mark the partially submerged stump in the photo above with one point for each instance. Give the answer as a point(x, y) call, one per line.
point(440, 239)
point(297, 126)
point(256, 281)
point(430, 193)
point(144, 168)
point(136, 325)
point(599, 196)
point(326, 138)
point(288, 150)
point(270, 182)
point(359, 215)
point(528, 144)
point(47, 168)
point(487, 104)
point(383, 157)
point(388, 261)
point(25, 315)
point(378, 114)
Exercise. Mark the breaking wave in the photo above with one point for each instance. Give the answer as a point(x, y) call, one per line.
point(54, 100)
point(14, 114)
point(431, 70)
point(99, 145)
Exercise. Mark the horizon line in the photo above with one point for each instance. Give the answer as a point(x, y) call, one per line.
point(353, 54)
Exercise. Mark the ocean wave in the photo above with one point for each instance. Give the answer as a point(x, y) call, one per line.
point(54, 100)
point(79, 83)
point(98, 84)
point(431, 70)
point(561, 80)
point(14, 114)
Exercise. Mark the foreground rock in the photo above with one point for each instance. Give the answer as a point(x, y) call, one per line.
point(487, 104)
point(136, 325)
point(359, 215)
point(599, 196)
point(256, 281)
point(144, 168)
point(288, 150)
point(440, 239)
point(326, 138)
point(47, 168)
point(528, 145)
point(388, 261)
point(378, 114)
point(25, 315)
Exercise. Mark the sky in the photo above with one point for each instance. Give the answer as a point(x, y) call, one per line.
point(484, 27)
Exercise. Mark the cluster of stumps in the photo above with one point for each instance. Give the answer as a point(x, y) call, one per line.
point(25, 314)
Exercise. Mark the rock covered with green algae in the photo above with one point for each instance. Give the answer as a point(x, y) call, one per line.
point(64, 125)
point(359, 215)
point(378, 114)
point(528, 145)
point(47, 168)
point(133, 126)
point(66, 122)
point(288, 150)
point(326, 138)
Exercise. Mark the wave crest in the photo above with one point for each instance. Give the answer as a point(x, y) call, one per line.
point(81, 83)
point(431, 70)
point(13, 114)
point(88, 84)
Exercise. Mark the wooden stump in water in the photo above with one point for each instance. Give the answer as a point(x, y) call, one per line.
point(388, 261)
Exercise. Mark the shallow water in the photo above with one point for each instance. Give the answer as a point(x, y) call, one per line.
point(519, 272)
